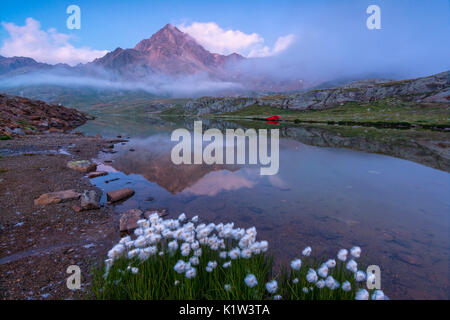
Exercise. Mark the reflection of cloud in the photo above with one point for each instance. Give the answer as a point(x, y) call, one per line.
point(276, 181)
point(215, 182)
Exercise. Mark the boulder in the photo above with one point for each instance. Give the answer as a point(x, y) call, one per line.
point(96, 174)
point(84, 166)
point(56, 197)
point(89, 200)
point(129, 219)
point(121, 194)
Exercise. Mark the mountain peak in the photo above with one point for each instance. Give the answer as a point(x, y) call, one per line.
point(168, 51)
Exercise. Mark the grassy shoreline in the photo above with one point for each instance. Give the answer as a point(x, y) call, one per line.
point(387, 113)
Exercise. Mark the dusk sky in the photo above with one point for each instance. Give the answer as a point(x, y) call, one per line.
point(321, 35)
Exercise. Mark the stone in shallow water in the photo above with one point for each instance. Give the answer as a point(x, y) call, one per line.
point(84, 166)
point(56, 197)
point(89, 200)
point(129, 219)
point(121, 194)
point(96, 174)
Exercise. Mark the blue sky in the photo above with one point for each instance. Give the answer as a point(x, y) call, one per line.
point(414, 33)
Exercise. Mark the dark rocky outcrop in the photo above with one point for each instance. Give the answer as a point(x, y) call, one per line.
point(19, 116)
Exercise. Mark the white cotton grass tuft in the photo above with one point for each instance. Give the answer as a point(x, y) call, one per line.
point(296, 264)
point(277, 297)
point(250, 280)
point(307, 251)
point(362, 294)
point(184, 237)
point(352, 265)
point(360, 276)
point(311, 276)
point(378, 295)
point(272, 286)
point(342, 254)
point(355, 252)
point(346, 286)
point(191, 273)
point(331, 263)
point(320, 284)
point(323, 271)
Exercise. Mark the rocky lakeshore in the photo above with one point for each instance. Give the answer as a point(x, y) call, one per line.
point(41, 232)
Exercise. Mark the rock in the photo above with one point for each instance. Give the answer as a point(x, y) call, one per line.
point(56, 197)
point(89, 200)
point(162, 212)
point(76, 208)
point(120, 194)
point(96, 174)
point(84, 166)
point(129, 219)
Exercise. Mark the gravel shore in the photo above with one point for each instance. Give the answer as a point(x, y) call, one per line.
point(39, 243)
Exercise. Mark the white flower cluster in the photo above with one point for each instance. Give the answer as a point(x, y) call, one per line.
point(186, 237)
point(314, 276)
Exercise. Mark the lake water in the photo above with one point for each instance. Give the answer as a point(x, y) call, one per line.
point(326, 197)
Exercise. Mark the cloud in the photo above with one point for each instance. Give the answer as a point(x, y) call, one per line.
point(44, 46)
point(218, 40)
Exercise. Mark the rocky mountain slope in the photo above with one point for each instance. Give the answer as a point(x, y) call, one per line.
point(19, 116)
point(434, 88)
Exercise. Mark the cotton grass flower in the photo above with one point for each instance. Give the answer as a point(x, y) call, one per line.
point(190, 273)
point(180, 266)
point(331, 283)
point(250, 280)
point(323, 271)
point(134, 270)
point(296, 264)
point(355, 252)
point(226, 264)
point(305, 290)
point(346, 286)
point(360, 276)
point(182, 217)
point(227, 287)
point(277, 297)
point(307, 251)
point(194, 261)
point(362, 294)
point(312, 276)
point(194, 219)
point(378, 295)
point(352, 266)
point(342, 254)
point(331, 263)
point(295, 281)
point(320, 284)
point(272, 286)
